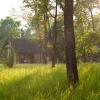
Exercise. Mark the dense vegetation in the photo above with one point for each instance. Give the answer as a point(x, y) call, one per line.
point(67, 31)
point(49, 31)
point(42, 30)
point(41, 82)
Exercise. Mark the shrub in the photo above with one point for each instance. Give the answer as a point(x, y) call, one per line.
point(9, 61)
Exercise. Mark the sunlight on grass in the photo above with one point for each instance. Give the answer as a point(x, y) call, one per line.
point(41, 82)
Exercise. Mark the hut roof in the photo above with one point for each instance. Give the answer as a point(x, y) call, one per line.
point(23, 45)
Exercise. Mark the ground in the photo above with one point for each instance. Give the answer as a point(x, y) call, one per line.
point(41, 82)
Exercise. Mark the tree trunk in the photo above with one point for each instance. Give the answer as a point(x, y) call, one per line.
point(71, 63)
point(45, 35)
point(54, 55)
point(91, 14)
point(84, 56)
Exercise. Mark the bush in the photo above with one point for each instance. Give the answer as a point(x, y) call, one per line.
point(9, 61)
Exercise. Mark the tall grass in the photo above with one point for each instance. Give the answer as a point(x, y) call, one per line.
point(41, 82)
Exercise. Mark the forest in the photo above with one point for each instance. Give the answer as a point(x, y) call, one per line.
point(55, 55)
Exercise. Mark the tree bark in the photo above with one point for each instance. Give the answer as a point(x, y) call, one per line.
point(45, 32)
point(54, 55)
point(45, 39)
point(84, 56)
point(91, 14)
point(71, 63)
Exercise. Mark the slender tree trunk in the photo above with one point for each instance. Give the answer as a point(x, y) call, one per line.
point(45, 31)
point(54, 55)
point(84, 56)
point(45, 38)
point(93, 26)
point(71, 62)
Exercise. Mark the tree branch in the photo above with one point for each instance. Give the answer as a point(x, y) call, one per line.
point(50, 13)
point(62, 7)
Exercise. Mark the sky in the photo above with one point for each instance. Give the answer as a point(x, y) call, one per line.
point(10, 7)
point(6, 7)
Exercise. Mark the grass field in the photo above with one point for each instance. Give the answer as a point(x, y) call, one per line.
point(41, 82)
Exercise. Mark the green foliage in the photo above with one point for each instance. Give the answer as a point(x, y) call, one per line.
point(59, 42)
point(26, 33)
point(9, 28)
point(86, 29)
point(86, 25)
point(41, 82)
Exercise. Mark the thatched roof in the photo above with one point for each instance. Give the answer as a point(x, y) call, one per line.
point(24, 45)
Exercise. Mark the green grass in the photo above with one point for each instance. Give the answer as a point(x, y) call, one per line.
point(41, 82)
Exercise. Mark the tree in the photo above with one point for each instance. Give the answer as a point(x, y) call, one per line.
point(26, 33)
point(60, 56)
point(54, 39)
point(9, 28)
point(86, 31)
point(42, 12)
point(39, 8)
point(71, 62)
